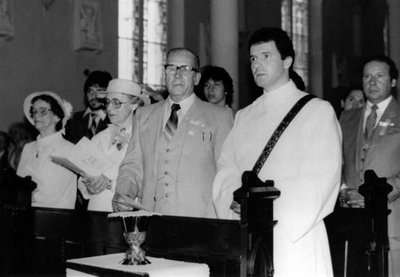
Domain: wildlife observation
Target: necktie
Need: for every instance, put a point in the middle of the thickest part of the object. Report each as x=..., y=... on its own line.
x=93, y=126
x=371, y=121
x=172, y=123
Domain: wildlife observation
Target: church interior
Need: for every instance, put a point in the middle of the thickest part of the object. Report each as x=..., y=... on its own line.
x=42, y=49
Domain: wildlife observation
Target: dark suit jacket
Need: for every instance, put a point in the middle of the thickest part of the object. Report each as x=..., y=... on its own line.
x=77, y=127
x=4, y=160
x=381, y=154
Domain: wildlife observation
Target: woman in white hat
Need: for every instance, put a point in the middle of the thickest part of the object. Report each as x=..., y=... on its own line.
x=122, y=98
x=56, y=185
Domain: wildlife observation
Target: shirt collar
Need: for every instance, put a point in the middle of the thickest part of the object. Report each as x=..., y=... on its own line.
x=381, y=105
x=49, y=139
x=100, y=113
x=185, y=104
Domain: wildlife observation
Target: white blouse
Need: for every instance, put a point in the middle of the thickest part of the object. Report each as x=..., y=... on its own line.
x=56, y=185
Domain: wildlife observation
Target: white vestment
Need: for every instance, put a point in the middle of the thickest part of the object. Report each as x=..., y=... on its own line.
x=305, y=166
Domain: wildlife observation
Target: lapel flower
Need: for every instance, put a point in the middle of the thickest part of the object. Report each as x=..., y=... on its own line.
x=120, y=139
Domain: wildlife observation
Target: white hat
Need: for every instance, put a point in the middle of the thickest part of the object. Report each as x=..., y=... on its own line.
x=65, y=105
x=127, y=87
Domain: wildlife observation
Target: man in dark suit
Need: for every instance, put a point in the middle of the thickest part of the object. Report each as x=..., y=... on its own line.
x=90, y=121
x=93, y=119
x=371, y=140
x=170, y=162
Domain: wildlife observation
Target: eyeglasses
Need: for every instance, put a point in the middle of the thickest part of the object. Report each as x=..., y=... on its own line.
x=183, y=69
x=116, y=103
x=40, y=112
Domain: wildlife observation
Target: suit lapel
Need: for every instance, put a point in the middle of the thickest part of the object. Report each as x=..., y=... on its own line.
x=156, y=120
x=360, y=138
x=193, y=114
x=390, y=113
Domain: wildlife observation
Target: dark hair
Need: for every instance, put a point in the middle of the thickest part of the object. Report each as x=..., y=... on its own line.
x=280, y=37
x=217, y=73
x=100, y=78
x=5, y=140
x=178, y=49
x=20, y=131
x=347, y=91
x=297, y=80
x=54, y=106
x=393, y=71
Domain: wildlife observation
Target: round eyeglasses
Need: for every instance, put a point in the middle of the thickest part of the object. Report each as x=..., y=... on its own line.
x=39, y=112
x=183, y=69
x=116, y=103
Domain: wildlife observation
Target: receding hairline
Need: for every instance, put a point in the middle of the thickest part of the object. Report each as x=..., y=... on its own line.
x=195, y=58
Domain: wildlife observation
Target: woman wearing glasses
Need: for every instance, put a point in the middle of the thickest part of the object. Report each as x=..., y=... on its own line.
x=56, y=185
x=122, y=98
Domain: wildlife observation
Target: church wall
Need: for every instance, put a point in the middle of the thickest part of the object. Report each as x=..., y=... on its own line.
x=40, y=56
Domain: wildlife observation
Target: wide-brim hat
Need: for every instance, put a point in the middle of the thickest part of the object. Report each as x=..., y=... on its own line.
x=65, y=105
x=127, y=87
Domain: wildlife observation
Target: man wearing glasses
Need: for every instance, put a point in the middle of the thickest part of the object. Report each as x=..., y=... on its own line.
x=90, y=121
x=94, y=118
x=171, y=159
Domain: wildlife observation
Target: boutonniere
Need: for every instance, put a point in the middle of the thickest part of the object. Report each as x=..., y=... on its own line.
x=121, y=139
x=385, y=126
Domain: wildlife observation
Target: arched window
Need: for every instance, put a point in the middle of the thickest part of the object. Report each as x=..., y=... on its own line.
x=295, y=23
x=142, y=39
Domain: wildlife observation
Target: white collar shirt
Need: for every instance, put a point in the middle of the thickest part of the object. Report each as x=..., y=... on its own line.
x=379, y=112
x=185, y=105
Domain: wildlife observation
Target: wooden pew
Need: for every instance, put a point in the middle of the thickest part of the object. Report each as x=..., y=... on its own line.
x=230, y=248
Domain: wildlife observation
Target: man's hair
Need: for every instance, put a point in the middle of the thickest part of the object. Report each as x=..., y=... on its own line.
x=282, y=41
x=100, y=78
x=393, y=71
x=196, y=58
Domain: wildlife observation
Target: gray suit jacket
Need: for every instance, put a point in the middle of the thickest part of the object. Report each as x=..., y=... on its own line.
x=381, y=154
x=202, y=132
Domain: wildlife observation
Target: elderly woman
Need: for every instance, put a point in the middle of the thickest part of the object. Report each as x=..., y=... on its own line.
x=56, y=185
x=122, y=99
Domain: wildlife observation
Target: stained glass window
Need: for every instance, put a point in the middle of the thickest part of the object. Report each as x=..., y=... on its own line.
x=142, y=39
x=295, y=23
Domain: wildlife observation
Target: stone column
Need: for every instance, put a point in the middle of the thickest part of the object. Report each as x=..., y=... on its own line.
x=315, y=48
x=176, y=23
x=394, y=31
x=225, y=40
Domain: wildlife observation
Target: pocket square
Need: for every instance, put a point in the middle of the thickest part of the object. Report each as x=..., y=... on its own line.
x=385, y=127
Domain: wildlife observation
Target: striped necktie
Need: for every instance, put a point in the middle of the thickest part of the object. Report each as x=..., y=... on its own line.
x=93, y=126
x=371, y=121
x=172, y=123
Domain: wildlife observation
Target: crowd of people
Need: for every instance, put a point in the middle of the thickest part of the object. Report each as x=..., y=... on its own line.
x=185, y=155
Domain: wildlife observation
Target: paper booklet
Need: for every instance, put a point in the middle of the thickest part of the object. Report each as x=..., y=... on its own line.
x=84, y=158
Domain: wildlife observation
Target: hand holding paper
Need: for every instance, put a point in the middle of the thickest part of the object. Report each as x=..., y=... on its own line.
x=84, y=159
x=96, y=184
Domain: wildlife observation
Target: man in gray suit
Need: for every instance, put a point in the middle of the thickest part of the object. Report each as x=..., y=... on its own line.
x=170, y=163
x=371, y=140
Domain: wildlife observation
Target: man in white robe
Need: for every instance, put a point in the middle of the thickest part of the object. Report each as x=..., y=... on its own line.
x=305, y=164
